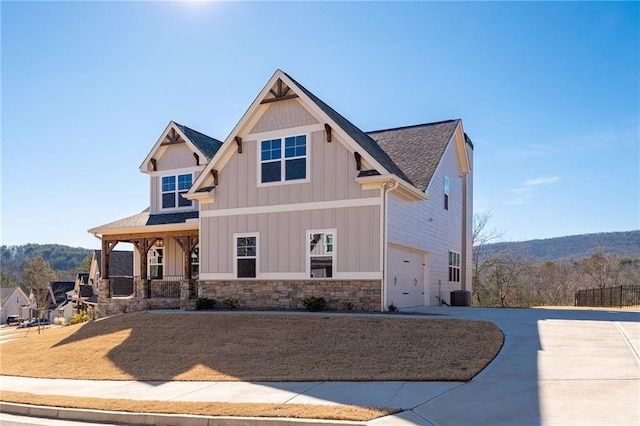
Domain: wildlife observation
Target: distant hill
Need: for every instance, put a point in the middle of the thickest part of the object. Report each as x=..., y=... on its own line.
x=60, y=257
x=620, y=244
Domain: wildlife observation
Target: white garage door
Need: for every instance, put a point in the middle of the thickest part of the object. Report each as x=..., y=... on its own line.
x=406, y=277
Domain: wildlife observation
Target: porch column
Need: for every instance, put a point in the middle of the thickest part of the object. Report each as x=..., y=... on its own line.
x=107, y=248
x=187, y=244
x=142, y=246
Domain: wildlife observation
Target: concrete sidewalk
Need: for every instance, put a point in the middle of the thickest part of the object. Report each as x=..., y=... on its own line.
x=557, y=367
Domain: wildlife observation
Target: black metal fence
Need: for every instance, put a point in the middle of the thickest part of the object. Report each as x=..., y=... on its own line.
x=610, y=297
x=121, y=286
x=166, y=288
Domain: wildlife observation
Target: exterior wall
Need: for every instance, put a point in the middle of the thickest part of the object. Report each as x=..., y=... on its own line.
x=174, y=159
x=332, y=177
x=177, y=156
x=428, y=227
x=282, y=115
x=340, y=295
x=13, y=305
x=282, y=213
x=173, y=259
x=283, y=240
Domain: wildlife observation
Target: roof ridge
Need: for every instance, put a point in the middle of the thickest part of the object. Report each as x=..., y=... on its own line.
x=414, y=126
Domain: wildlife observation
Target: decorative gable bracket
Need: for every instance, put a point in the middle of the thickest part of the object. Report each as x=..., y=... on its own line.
x=214, y=174
x=238, y=140
x=281, y=93
x=327, y=130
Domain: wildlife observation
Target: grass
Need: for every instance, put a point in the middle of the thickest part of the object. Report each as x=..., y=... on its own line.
x=209, y=346
x=256, y=347
x=300, y=411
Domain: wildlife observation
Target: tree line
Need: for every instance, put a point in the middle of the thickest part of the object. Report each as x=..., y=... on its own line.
x=509, y=278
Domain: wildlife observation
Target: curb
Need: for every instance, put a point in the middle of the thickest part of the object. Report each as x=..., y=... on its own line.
x=99, y=416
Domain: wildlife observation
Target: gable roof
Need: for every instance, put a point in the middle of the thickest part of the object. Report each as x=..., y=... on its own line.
x=206, y=144
x=198, y=142
x=120, y=262
x=60, y=289
x=361, y=138
x=417, y=150
x=7, y=292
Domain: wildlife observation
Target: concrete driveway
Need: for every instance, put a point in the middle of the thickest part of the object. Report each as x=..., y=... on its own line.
x=557, y=367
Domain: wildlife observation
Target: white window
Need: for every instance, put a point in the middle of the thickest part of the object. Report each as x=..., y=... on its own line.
x=446, y=193
x=173, y=187
x=195, y=262
x=321, y=253
x=454, y=267
x=280, y=163
x=155, y=261
x=245, y=249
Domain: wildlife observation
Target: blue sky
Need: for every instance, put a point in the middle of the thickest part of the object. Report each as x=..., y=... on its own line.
x=548, y=92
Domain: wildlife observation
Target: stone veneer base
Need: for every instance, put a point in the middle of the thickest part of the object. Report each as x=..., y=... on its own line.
x=356, y=295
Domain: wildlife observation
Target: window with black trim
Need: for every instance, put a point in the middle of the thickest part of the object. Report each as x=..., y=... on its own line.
x=321, y=253
x=246, y=256
x=279, y=166
x=156, y=261
x=446, y=193
x=195, y=262
x=454, y=267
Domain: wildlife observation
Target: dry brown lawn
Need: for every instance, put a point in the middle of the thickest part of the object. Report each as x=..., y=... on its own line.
x=210, y=346
x=301, y=411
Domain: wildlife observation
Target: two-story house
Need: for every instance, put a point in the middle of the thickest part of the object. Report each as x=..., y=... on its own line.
x=298, y=202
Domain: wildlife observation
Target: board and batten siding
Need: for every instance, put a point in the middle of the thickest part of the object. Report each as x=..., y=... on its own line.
x=176, y=158
x=173, y=259
x=331, y=179
x=283, y=239
x=428, y=227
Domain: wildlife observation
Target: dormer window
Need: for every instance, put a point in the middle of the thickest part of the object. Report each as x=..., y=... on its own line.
x=173, y=187
x=286, y=163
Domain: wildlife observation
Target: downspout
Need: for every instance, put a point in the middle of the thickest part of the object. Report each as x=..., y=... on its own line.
x=386, y=186
x=464, y=250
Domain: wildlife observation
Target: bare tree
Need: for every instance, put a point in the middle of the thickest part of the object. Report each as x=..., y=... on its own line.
x=481, y=262
x=36, y=275
x=602, y=269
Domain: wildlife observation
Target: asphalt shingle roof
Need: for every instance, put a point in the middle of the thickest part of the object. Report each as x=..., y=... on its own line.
x=60, y=289
x=365, y=141
x=206, y=144
x=145, y=219
x=417, y=150
x=163, y=219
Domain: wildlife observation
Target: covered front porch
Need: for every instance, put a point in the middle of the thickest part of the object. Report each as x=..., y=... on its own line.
x=166, y=268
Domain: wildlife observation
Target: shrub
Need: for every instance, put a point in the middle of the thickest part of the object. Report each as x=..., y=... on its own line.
x=60, y=321
x=393, y=308
x=230, y=303
x=315, y=304
x=205, y=303
x=81, y=316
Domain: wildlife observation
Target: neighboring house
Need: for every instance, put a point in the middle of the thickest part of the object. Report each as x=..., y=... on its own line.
x=299, y=202
x=87, y=285
x=13, y=301
x=61, y=296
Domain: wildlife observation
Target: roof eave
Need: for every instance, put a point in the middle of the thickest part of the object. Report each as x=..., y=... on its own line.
x=403, y=188
x=149, y=229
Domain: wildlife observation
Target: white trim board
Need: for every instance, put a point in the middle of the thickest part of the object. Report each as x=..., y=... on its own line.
x=317, y=205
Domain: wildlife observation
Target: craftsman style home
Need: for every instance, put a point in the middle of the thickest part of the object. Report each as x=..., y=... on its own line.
x=298, y=202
